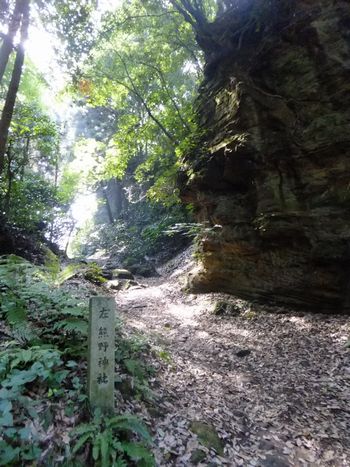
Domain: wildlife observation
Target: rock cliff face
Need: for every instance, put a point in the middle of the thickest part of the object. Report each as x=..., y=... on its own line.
x=273, y=169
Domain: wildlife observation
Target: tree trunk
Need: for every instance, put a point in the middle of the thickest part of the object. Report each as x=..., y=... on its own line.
x=7, y=112
x=108, y=206
x=10, y=177
x=7, y=45
x=193, y=13
x=72, y=227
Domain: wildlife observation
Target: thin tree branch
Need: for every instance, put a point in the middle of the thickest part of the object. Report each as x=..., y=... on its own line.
x=171, y=97
x=144, y=103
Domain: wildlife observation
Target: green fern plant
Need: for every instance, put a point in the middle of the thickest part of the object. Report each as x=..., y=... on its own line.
x=14, y=271
x=36, y=306
x=14, y=308
x=52, y=272
x=109, y=441
x=21, y=370
x=129, y=355
x=47, y=324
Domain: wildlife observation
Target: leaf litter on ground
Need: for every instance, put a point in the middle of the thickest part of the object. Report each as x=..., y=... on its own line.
x=272, y=383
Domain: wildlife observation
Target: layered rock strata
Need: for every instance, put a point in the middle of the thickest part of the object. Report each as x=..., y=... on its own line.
x=272, y=170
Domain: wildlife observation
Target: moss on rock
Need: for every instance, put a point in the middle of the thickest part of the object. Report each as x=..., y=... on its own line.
x=208, y=436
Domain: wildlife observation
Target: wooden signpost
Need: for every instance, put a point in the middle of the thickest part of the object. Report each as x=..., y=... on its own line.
x=101, y=353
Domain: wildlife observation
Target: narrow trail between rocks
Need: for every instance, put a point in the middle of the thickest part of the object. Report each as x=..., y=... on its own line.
x=264, y=387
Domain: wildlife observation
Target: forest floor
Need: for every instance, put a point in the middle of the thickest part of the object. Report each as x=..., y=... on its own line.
x=263, y=387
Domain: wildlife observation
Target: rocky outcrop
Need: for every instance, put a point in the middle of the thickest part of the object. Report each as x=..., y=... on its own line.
x=273, y=166
x=33, y=247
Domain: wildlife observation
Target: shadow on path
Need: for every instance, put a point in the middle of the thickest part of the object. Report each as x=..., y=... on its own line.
x=284, y=403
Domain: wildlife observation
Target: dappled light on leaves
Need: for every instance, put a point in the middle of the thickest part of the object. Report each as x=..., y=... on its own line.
x=160, y=156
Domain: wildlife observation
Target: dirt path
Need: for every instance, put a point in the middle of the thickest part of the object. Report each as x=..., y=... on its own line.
x=262, y=388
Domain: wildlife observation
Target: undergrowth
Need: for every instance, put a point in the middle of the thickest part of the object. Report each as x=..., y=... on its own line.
x=109, y=441
x=141, y=231
x=44, y=412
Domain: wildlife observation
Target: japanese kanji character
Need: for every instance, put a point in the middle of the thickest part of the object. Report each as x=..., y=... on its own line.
x=102, y=378
x=102, y=332
x=103, y=346
x=104, y=313
x=103, y=361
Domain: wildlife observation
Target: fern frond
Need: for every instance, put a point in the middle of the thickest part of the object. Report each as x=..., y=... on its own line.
x=72, y=324
x=137, y=452
x=120, y=463
x=67, y=273
x=24, y=333
x=129, y=423
x=12, y=269
x=74, y=311
x=81, y=441
x=15, y=311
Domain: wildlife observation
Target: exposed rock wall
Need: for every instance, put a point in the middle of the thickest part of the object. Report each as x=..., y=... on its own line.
x=273, y=168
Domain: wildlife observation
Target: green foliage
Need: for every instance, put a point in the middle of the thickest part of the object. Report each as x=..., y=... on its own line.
x=109, y=441
x=32, y=191
x=164, y=355
x=30, y=121
x=193, y=229
x=32, y=86
x=67, y=187
x=130, y=356
x=72, y=22
x=141, y=231
x=53, y=273
x=150, y=68
x=31, y=295
x=197, y=13
x=19, y=367
x=47, y=327
x=93, y=273
x=19, y=370
x=31, y=201
x=27, y=194
x=146, y=66
x=13, y=271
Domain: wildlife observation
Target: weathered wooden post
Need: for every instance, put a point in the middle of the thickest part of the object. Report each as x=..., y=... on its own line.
x=101, y=353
